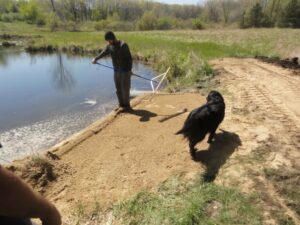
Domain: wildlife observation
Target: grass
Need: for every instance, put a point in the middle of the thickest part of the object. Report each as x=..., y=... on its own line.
x=85, y=215
x=175, y=202
x=186, y=51
x=287, y=184
x=207, y=43
x=178, y=203
x=38, y=171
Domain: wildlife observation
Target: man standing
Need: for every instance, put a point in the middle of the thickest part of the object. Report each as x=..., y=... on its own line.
x=122, y=62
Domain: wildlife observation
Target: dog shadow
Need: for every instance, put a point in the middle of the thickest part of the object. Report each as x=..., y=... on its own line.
x=218, y=152
x=143, y=114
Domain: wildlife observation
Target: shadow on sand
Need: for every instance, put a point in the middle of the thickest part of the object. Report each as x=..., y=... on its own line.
x=143, y=114
x=219, y=151
x=168, y=117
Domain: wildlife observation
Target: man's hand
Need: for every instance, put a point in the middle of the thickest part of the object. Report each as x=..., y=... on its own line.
x=94, y=61
x=18, y=200
x=51, y=215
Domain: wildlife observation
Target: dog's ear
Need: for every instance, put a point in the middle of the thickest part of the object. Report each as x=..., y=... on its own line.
x=221, y=97
x=209, y=96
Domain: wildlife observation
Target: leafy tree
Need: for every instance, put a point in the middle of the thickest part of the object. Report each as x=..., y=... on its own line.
x=255, y=18
x=274, y=9
x=4, y=6
x=30, y=11
x=148, y=14
x=291, y=14
x=53, y=21
x=256, y=15
x=164, y=23
x=101, y=25
x=99, y=14
x=130, y=10
x=12, y=7
x=197, y=23
x=148, y=21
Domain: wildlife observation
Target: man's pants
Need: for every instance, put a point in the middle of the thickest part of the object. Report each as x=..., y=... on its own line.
x=122, y=83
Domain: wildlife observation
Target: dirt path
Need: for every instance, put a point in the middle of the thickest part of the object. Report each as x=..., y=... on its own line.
x=133, y=152
x=127, y=153
x=263, y=108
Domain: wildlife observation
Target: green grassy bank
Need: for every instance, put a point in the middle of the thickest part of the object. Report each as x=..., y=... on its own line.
x=185, y=51
x=178, y=201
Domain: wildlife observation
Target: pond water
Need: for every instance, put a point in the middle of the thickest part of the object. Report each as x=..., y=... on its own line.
x=46, y=98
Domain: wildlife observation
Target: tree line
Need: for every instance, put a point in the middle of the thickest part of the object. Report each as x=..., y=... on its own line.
x=254, y=13
x=149, y=15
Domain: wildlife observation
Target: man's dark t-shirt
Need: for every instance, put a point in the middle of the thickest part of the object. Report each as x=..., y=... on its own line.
x=120, y=54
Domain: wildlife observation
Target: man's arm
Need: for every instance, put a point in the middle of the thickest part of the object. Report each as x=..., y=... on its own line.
x=17, y=199
x=102, y=54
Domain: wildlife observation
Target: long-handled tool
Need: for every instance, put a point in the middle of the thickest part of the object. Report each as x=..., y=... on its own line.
x=132, y=73
x=153, y=80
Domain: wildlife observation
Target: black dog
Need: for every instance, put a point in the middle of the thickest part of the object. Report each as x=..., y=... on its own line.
x=203, y=120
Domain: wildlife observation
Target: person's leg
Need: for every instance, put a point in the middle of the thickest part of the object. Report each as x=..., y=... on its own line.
x=126, y=89
x=118, y=85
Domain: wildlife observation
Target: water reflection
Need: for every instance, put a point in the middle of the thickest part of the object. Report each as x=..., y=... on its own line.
x=33, y=59
x=46, y=98
x=3, y=59
x=62, y=78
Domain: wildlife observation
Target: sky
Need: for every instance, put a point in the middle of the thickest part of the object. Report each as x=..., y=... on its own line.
x=179, y=1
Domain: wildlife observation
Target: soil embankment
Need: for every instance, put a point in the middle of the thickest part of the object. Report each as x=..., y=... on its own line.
x=129, y=152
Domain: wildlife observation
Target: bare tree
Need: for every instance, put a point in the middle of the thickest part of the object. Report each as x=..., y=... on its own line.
x=225, y=6
x=212, y=10
x=52, y=4
x=71, y=7
x=275, y=7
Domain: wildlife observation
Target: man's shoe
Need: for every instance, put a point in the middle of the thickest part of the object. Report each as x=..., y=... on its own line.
x=127, y=109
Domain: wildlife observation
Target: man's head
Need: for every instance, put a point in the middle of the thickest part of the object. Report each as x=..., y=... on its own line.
x=110, y=37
